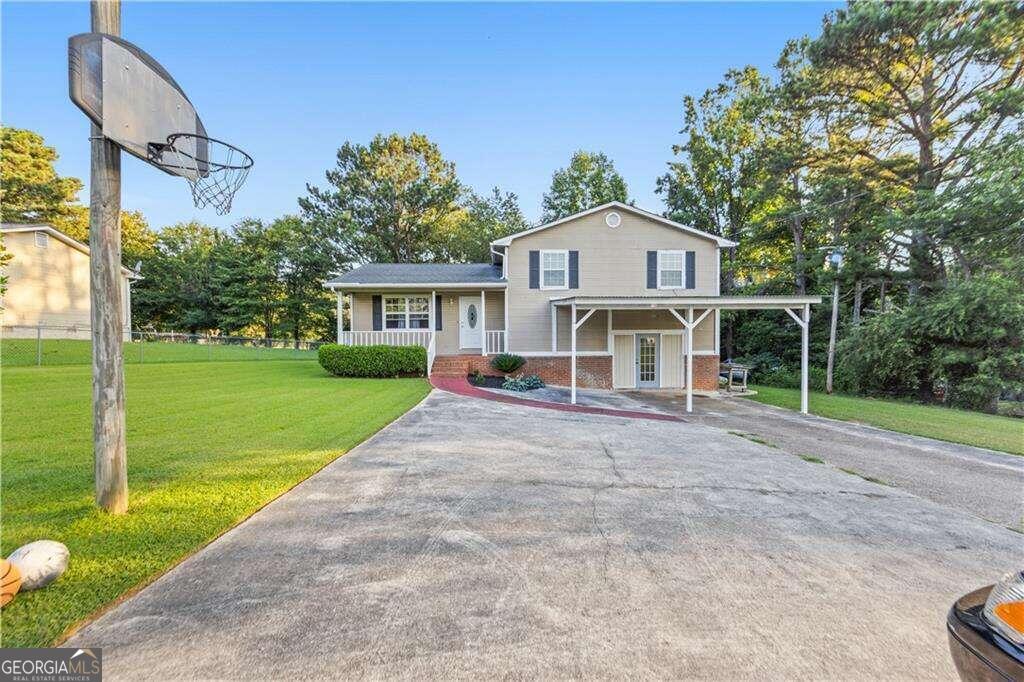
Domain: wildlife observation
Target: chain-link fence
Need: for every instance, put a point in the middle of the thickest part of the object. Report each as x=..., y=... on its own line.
x=44, y=345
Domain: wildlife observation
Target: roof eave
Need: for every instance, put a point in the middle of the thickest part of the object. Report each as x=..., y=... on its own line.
x=721, y=242
x=415, y=285
x=13, y=228
x=654, y=302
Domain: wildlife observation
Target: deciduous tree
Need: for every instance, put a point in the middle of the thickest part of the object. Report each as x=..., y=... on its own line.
x=589, y=180
x=467, y=234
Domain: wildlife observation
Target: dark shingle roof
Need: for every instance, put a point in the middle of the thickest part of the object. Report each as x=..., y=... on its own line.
x=420, y=273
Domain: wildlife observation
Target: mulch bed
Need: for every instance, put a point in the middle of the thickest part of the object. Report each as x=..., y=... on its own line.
x=489, y=381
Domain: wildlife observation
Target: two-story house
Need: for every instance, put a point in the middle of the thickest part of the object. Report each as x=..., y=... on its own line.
x=613, y=297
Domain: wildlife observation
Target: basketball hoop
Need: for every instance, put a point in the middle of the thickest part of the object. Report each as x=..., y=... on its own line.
x=215, y=170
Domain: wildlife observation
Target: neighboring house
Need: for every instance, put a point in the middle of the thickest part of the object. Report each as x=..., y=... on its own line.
x=48, y=284
x=635, y=283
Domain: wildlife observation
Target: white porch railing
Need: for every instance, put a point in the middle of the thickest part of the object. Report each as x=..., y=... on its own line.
x=388, y=337
x=495, y=342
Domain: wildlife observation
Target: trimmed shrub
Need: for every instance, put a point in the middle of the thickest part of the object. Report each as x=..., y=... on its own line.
x=373, y=361
x=523, y=383
x=507, y=362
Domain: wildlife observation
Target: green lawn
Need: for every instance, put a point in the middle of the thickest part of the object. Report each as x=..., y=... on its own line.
x=24, y=352
x=208, y=444
x=942, y=423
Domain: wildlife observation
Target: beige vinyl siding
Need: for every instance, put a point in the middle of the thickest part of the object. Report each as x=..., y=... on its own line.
x=612, y=262
x=49, y=286
x=650, y=320
x=623, y=361
x=447, y=342
x=672, y=361
x=592, y=336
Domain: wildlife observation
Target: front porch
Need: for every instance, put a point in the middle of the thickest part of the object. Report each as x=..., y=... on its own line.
x=448, y=321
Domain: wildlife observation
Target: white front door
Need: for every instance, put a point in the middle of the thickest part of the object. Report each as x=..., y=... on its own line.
x=469, y=322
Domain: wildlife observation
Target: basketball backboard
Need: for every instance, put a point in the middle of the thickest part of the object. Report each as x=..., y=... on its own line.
x=134, y=101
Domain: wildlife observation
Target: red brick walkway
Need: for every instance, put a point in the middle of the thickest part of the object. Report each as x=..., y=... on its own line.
x=460, y=386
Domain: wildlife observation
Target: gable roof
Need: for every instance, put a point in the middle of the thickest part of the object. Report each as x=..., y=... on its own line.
x=12, y=228
x=619, y=206
x=409, y=274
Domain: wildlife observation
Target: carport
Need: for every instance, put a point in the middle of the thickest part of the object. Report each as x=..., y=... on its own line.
x=682, y=308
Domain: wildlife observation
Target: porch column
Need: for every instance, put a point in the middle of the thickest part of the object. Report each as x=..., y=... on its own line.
x=572, y=324
x=804, y=335
x=433, y=314
x=505, y=346
x=689, y=359
x=341, y=320
x=352, y=312
x=483, y=322
x=608, y=344
x=554, y=329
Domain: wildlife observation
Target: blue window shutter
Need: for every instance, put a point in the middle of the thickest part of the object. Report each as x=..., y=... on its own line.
x=691, y=275
x=574, y=269
x=652, y=269
x=378, y=314
x=535, y=269
x=437, y=312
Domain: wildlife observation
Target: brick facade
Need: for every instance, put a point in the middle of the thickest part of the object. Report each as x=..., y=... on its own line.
x=592, y=371
x=705, y=372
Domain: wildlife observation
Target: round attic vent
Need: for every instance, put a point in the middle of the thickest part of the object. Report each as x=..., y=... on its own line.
x=613, y=219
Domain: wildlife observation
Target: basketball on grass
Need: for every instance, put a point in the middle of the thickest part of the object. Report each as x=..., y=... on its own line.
x=10, y=581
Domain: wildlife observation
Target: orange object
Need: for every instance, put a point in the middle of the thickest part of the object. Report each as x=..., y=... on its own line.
x=1011, y=613
x=10, y=581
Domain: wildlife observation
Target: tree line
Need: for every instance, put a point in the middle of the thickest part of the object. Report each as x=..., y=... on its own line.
x=396, y=199
x=894, y=137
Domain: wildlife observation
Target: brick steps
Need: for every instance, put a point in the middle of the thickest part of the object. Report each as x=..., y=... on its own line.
x=450, y=366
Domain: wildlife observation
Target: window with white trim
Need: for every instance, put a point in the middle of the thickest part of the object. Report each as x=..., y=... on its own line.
x=670, y=269
x=554, y=269
x=407, y=312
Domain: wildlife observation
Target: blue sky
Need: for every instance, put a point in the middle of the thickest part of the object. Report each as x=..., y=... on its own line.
x=507, y=91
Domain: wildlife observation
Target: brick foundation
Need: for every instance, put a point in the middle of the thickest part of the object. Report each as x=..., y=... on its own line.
x=705, y=372
x=592, y=371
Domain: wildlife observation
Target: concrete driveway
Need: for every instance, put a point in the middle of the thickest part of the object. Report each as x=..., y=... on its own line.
x=478, y=539
x=983, y=482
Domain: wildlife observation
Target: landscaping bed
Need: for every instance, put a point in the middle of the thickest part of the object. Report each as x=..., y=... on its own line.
x=486, y=380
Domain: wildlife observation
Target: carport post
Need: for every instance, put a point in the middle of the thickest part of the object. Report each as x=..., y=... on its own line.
x=689, y=359
x=804, y=335
x=573, y=371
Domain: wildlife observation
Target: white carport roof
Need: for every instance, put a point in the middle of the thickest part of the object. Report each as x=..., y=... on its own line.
x=721, y=302
x=590, y=304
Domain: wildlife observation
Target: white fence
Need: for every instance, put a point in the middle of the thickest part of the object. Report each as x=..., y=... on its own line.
x=54, y=345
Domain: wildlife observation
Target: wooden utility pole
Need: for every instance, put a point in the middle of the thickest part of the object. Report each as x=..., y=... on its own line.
x=107, y=306
x=832, y=335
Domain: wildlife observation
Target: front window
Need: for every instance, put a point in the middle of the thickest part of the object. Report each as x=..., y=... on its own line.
x=407, y=312
x=554, y=269
x=670, y=269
